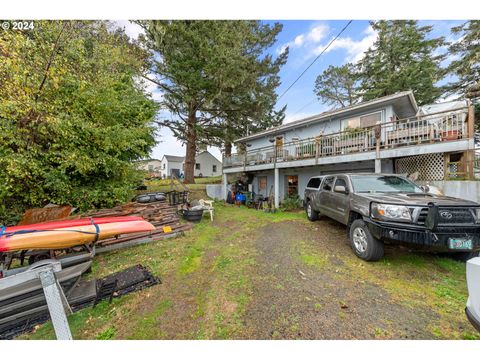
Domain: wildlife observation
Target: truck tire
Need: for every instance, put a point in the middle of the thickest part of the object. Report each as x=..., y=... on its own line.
x=363, y=244
x=312, y=215
x=464, y=256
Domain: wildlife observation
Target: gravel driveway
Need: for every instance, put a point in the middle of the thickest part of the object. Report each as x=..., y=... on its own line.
x=293, y=300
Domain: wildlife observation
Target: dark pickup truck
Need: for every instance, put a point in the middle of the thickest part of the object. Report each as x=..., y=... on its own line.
x=386, y=208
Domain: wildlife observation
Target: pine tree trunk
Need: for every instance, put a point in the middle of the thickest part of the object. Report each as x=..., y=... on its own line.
x=191, y=149
x=228, y=148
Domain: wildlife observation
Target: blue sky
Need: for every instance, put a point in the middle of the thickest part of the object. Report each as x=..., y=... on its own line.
x=305, y=38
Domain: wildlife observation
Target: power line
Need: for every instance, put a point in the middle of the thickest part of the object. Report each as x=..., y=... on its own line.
x=304, y=106
x=308, y=67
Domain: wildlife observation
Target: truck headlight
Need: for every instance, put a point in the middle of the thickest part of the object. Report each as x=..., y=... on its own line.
x=391, y=212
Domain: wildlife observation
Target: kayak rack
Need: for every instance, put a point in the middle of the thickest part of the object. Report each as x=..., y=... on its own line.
x=57, y=303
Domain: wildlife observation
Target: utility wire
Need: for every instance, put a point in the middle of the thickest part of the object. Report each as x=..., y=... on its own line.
x=313, y=62
x=304, y=106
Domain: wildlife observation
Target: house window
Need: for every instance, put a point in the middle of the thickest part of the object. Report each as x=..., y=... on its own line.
x=150, y=167
x=352, y=123
x=371, y=119
x=197, y=166
x=163, y=166
x=362, y=121
x=214, y=168
x=292, y=185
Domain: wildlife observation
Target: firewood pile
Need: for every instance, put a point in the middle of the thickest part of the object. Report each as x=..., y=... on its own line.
x=160, y=214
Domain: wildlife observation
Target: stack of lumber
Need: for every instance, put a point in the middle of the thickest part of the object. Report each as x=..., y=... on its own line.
x=160, y=214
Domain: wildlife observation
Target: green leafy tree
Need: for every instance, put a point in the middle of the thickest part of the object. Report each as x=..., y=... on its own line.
x=213, y=78
x=403, y=57
x=466, y=67
x=338, y=85
x=73, y=117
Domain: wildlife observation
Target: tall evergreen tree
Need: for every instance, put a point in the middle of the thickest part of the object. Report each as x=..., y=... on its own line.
x=403, y=57
x=214, y=79
x=467, y=67
x=338, y=85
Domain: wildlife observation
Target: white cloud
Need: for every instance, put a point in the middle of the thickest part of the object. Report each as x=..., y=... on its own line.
x=317, y=33
x=310, y=38
x=355, y=49
x=131, y=29
x=299, y=40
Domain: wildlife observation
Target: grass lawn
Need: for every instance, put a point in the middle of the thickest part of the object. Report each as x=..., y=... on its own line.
x=257, y=275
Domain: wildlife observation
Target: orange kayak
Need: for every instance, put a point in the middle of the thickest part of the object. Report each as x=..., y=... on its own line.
x=66, y=237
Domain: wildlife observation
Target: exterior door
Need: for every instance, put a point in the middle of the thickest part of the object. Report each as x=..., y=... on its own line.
x=279, y=146
x=339, y=201
x=262, y=185
x=292, y=185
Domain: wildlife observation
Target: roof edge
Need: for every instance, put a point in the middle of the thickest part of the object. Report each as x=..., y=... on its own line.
x=326, y=115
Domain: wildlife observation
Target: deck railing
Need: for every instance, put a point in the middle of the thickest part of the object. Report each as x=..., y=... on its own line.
x=459, y=170
x=431, y=128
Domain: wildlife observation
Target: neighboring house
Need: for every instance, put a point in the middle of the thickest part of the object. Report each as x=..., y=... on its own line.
x=171, y=164
x=152, y=166
x=389, y=134
x=207, y=165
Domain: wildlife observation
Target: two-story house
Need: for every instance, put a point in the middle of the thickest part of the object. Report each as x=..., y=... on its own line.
x=389, y=134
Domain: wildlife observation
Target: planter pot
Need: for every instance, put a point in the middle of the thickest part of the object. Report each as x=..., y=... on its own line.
x=450, y=135
x=192, y=215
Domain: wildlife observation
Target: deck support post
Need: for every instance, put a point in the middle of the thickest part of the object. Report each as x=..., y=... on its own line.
x=378, y=166
x=224, y=187
x=471, y=122
x=276, y=191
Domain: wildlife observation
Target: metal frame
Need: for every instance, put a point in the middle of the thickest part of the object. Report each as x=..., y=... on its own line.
x=56, y=301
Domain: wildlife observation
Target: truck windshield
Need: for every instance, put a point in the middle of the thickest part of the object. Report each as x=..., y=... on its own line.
x=383, y=184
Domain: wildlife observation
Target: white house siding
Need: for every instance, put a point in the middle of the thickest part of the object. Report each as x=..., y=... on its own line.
x=206, y=161
x=164, y=167
x=169, y=163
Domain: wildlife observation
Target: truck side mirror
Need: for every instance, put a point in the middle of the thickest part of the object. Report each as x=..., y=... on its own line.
x=340, y=189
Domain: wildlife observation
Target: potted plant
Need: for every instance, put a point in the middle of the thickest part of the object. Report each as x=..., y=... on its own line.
x=450, y=130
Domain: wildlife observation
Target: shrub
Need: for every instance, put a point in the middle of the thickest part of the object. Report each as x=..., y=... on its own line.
x=292, y=203
x=73, y=117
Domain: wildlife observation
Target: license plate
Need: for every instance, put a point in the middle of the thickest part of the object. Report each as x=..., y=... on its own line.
x=460, y=244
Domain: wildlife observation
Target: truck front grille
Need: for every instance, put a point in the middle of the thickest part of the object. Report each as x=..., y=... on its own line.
x=447, y=216
x=422, y=215
x=455, y=215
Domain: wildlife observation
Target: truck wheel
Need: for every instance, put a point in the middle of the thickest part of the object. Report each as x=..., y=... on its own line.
x=464, y=256
x=312, y=215
x=363, y=244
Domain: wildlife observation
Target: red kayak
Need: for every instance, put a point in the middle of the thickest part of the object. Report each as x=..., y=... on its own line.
x=69, y=233
x=69, y=223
